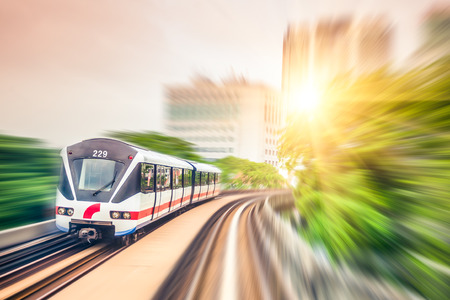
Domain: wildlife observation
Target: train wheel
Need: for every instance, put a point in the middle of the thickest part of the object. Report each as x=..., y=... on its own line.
x=135, y=237
x=125, y=240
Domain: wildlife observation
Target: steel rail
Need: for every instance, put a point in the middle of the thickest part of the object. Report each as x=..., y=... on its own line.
x=258, y=259
x=25, y=255
x=69, y=281
x=18, y=248
x=193, y=287
x=229, y=284
x=48, y=276
x=23, y=271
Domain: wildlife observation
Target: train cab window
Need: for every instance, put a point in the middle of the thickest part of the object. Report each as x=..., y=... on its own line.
x=64, y=186
x=177, y=178
x=95, y=174
x=163, y=178
x=204, y=178
x=147, y=178
x=187, y=178
x=197, y=178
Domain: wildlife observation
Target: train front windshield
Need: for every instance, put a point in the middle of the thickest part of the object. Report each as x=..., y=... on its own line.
x=97, y=174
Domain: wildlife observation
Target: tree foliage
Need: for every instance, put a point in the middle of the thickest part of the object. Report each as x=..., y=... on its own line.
x=374, y=187
x=241, y=173
x=28, y=177
x=159, y=142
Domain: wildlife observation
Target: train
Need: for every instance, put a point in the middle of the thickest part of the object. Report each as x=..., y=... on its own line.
x=109, y=189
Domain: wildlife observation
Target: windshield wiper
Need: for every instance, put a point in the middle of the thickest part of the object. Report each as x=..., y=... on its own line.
x=105, y=186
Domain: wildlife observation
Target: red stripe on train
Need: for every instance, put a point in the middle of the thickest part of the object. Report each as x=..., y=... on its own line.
x=91, y=210
x=176, y=202
x=136, y=215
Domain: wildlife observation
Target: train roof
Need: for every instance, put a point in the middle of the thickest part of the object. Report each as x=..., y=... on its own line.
x=163, y=159
x=205, y=167
x=159, y=158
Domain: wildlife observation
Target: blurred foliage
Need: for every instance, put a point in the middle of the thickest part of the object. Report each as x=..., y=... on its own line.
x=241, y=173
x=160, y=143
x=28, y=178
x=373, y=186
x=29, y=173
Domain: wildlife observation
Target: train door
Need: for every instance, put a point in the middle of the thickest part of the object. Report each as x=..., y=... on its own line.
x=177, y=188
x=197, y=185
x=148, y=191
x=217, y=186
x=187, y=187
x=211, y=185
x=204, y=185
x=163, y=190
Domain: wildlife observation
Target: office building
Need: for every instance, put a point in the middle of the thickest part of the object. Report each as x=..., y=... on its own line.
x=234, y=118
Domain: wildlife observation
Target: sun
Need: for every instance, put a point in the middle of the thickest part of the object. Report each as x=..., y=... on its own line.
x=307, y=98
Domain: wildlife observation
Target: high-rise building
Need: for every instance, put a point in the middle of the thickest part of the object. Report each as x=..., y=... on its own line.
x=317, y=53
x=233, y=118
x=435, y=31
x=372, y=42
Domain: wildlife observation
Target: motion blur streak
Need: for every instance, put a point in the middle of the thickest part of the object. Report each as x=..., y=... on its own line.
x=372, y=170
x=27, y=181
x=296, y=271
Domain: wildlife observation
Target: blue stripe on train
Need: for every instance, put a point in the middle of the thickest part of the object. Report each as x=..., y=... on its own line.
x=62, y=228
x=125, y=232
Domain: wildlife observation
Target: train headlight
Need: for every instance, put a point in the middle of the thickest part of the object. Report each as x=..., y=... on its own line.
x=61, y=211
x=115, y=214
x=126, y=215
x=69, y=212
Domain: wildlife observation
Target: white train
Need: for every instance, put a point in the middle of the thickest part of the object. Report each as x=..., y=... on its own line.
x=109, y=188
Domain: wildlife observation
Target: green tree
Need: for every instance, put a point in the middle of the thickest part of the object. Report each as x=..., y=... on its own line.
x=28, y=177
x=373, y=187
x=241, y=173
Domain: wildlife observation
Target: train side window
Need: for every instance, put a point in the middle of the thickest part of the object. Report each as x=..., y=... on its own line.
x=162, y=178
x=204, y=178
x=159, y=172
x=187, y=178
x=147, y=178
x=197, y=178
x=217, y=178
x=177, y=177
x=211, y=178
x=167, y=178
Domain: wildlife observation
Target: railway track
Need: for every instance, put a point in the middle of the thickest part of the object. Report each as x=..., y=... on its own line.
x=40, y=268
x=218, y=263
x=245, y=251
x=29, y=269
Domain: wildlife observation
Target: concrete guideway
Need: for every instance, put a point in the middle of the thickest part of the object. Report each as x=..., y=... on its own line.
x=232, y=247
x=249, y=252
x=138, y=271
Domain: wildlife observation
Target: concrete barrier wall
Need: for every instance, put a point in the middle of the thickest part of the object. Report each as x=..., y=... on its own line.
x=14, y=236
x=306, y=273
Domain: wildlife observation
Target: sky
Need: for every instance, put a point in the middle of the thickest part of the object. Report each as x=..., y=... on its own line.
x=76, y=69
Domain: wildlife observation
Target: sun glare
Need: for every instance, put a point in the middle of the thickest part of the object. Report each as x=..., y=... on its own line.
x=307, y=98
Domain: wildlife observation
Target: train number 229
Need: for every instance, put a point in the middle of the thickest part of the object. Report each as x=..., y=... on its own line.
x=100, y=153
